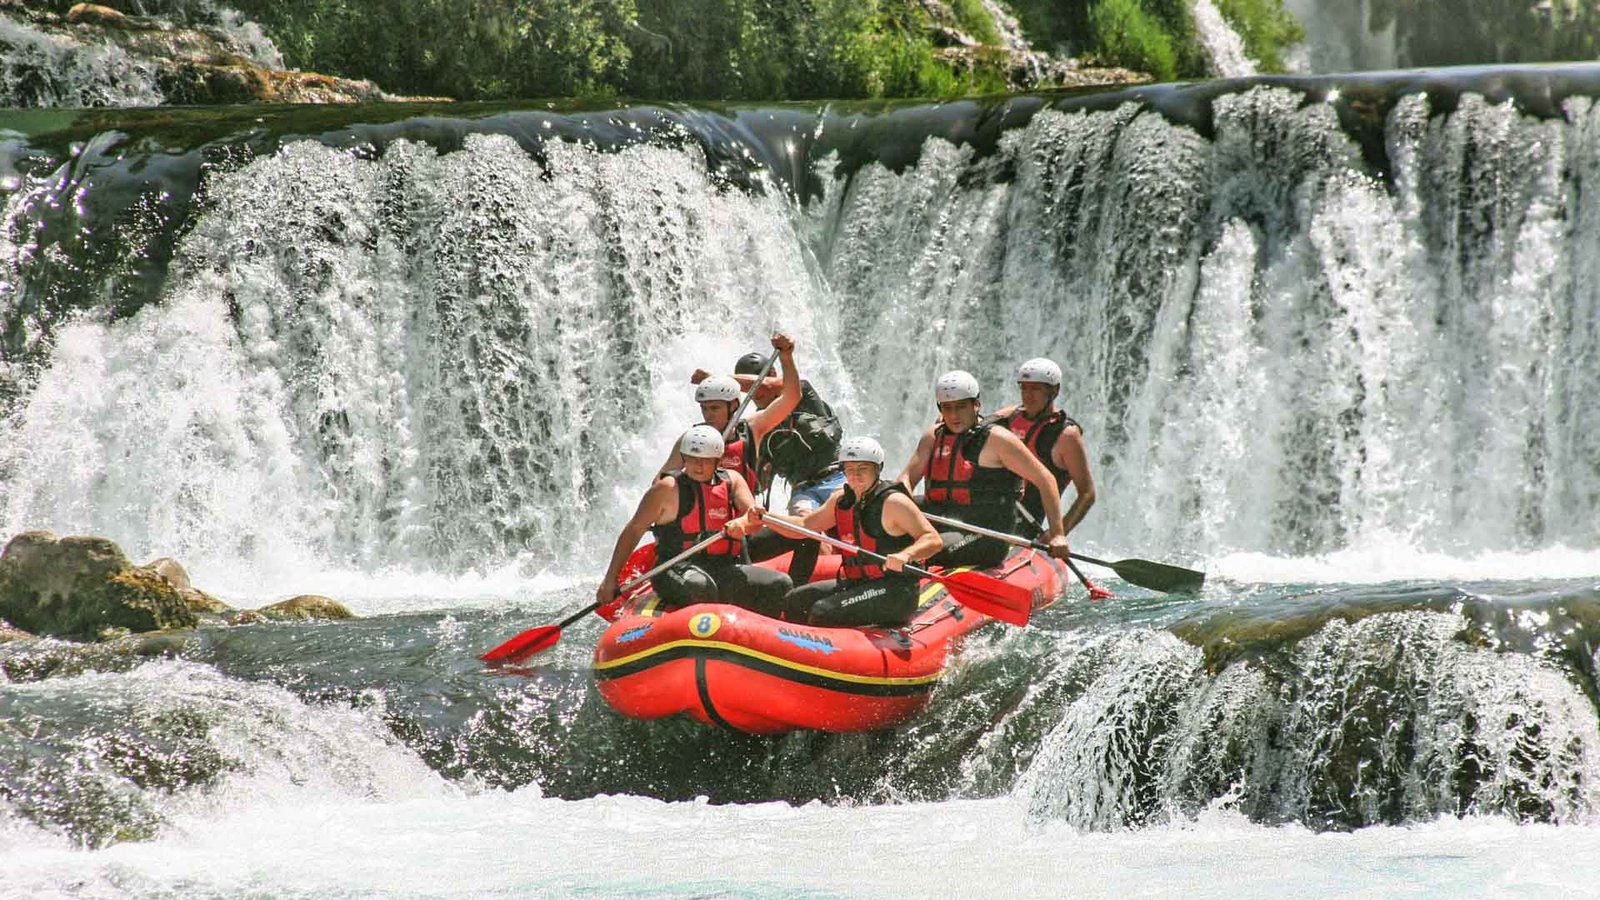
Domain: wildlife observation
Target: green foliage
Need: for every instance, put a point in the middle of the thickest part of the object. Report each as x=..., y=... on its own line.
x=976, y=21
x=650, y=49
x=1266, y=28
x=456, y=48
x=1126, y=35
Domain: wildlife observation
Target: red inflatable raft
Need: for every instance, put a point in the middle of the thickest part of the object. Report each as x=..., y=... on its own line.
x=729, y=666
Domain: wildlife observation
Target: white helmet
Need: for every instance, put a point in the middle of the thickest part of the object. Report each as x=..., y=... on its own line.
x=717, y=387
x=861, y=449
x=1040, y=371
x=701, y=441
x=957, y=385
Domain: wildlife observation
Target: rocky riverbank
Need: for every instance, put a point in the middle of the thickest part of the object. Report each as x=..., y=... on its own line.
x=86, y=589
x=98, y=55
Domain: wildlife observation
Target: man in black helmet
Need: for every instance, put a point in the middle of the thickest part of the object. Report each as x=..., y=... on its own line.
x=802, y=448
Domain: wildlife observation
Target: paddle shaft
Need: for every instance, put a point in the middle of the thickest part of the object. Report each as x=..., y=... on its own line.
x=733, y=420
x=660, y=567
x=785, y=525
x=990, y=532
x=1096, y=592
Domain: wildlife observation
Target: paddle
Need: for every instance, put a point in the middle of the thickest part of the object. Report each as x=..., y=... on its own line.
x=1142, y=572
x=544, y=637
x=1096, y=592
x=982, y=593
x=733, y=420
x=641, y=559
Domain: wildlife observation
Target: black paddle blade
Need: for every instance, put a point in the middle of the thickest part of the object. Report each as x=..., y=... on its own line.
x=989, y=595
x=525, y=644
x=1159, y=576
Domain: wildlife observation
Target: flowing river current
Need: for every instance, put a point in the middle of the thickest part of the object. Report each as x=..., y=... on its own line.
x=1335, y=340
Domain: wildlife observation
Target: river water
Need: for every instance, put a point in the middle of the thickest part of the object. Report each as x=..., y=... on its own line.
x=1331, y=339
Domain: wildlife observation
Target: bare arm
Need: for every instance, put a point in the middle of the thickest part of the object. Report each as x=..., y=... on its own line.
x=1016, y=456
x=820, y=519
x=918, y=463
x=902, y=516
x=744, y=502
x=651, y=508
x=1069, y=454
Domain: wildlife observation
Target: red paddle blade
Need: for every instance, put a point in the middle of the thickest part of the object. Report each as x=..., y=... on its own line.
x=525, y=644
x=990, y=596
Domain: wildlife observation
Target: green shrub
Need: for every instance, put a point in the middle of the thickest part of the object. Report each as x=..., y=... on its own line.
x=1266, y=28
x=1125, y=35
x=976, y=21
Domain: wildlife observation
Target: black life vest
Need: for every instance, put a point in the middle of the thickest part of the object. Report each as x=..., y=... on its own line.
x=861, y=523
x=1040, y=435
x=703, y=509
x=960, y=488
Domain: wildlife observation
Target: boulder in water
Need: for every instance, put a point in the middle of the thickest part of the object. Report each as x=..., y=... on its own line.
x=197, y=600
x=306, y=607
x=84, y=588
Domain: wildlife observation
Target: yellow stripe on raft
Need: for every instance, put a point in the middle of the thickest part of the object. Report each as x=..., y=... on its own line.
x=778, y=661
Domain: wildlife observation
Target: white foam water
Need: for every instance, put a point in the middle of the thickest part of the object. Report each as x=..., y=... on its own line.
x=522, y=844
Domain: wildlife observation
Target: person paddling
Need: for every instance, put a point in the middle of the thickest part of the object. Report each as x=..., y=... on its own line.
x=975, y=474
x=682, y=508
x=878, y=516
x=1053, y=436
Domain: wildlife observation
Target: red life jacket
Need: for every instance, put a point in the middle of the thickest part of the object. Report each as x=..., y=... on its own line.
x=703, y=509
x=1040, y=435
x=956, y=480
x=861, y=523
x=739, y=454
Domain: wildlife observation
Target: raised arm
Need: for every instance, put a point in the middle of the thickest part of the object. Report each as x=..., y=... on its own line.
x=763, y=421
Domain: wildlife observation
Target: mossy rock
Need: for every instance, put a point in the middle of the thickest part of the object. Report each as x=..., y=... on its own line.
x=82, y=588
x=306, y=607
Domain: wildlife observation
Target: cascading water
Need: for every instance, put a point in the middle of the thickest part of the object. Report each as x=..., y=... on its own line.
x=1351, y=349
x=38, y=68
x=424, y=358
x=1270, y=349
x=1224, y=48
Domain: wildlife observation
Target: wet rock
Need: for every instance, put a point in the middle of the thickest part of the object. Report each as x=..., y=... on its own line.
x=95, y=14
x=306, y=607
x=197, y=600
x=84, y=588
x=191, y=64
x=1026, y=70
x=172, y=570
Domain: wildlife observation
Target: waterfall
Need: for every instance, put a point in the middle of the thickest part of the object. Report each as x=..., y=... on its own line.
x=439, y=359
x=1280, y=339
x=1225, y=51
x=1269, y=348
x=39, y=68
x=1389, y=719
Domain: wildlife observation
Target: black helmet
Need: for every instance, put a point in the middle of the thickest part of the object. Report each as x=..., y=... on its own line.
x=749, y=364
